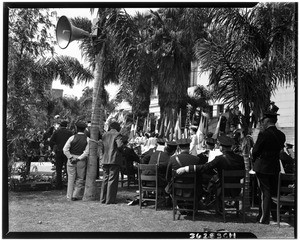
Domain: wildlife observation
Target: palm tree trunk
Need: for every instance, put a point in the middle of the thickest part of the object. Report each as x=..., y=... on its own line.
x=90, y=190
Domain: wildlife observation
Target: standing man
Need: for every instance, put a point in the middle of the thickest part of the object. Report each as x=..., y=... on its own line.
x=76, y=149
x=59, y=138
x=111, y=163
x=265, y=154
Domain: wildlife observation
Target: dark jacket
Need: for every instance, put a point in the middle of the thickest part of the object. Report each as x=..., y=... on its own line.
x=162, y=162
x=129, y=157
x=60, y=137
x=112, y=147
x=228, y=161
x=267, y=149
x=185, y=159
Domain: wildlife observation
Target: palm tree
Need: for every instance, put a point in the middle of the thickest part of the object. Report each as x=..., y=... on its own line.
x=249, y=57
x=30, y=72
x=136, y=61
x=172, y=43
x=101, y=55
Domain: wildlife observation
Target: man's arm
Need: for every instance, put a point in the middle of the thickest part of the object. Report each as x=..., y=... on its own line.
x=257, y=148
x=67, y=146
x=199, y=168
x=86, y=150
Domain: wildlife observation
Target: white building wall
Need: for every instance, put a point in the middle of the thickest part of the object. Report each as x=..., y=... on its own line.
x=284, y=98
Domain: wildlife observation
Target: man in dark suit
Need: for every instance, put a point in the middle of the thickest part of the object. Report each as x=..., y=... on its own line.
x=162, y=158
x=228, y=161
x=266, y=152
x=59, y=138
x=182, y=159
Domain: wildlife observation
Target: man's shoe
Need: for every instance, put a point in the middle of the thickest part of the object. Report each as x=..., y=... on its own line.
x=74, y=199
x=264, y=222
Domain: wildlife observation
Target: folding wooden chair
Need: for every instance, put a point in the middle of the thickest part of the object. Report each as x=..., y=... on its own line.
x=229, y=184
x=285, y=195
x=184, y=193
x=148, y=185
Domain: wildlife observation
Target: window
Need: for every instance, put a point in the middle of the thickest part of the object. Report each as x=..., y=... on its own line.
x=210, y=110
x=194, y=73
x=220, y=109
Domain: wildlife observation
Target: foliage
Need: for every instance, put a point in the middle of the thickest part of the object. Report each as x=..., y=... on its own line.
x=30, y=105
x=248, y=57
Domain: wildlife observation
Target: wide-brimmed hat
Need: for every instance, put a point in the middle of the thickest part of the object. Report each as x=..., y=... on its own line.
x=226, y=141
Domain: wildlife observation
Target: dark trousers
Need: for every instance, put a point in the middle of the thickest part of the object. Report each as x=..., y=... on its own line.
x=268, y=185
x=60, y=163
x=110, y=183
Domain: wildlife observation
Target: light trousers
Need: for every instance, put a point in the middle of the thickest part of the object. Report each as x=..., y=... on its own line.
x=76, y=178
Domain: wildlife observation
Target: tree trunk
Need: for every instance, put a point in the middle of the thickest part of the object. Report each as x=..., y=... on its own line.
x=90, y=190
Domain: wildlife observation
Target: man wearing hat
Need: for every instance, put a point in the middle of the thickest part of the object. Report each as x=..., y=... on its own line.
x=266, y=150
x=111, y=162
x=161, y=158
x=77, y=150
x=59, y=139
x=184, y=158
x=227, y=161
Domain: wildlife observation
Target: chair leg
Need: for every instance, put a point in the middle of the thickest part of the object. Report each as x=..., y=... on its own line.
x=174, y=210
x=156, y=200
x=278, y=214
x=244, y=211
x=223, y=210
x=237, y=203
x=141, y=197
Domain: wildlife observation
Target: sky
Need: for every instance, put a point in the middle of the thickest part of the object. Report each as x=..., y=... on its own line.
x=74, y=51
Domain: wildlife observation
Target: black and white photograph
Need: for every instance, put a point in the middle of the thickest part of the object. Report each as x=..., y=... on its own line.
x=149, y=120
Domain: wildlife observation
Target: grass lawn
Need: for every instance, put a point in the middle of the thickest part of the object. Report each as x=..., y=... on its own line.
x=49, y=211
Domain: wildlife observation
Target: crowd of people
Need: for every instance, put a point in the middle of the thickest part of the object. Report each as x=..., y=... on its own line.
x=268, y=155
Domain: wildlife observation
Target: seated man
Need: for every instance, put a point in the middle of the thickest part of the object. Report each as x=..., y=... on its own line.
x=228, y=161
x=287, y=160
x=161, y=157
x=183, y=159
x=130, y=159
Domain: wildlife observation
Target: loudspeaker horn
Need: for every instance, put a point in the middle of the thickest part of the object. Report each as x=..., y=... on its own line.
x=66, y=32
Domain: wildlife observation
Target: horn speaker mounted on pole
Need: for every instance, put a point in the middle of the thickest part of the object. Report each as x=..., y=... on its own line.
x=66, y=32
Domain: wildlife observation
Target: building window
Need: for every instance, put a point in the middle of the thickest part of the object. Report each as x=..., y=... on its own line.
x=194, y=73
x=220, y=109
x=154, y=92
x=210, y=110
